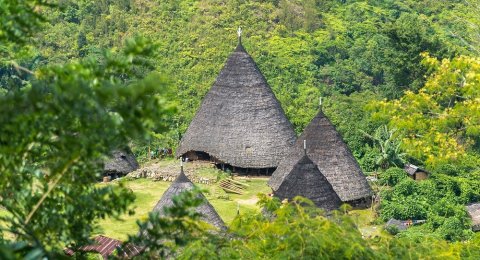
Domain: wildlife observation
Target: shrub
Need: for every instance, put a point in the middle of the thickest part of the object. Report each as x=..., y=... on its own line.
x=392, y=176
x=369, y=159
x=392, y=230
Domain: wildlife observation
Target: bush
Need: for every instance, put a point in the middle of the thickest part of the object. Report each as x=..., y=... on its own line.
x=448, y=169
x=369, y=159
x=392, y=176
x=404, y=208
x=392, y=230
x=406, y=187
x=453, y=229
x=464, y=166
x=439, y=200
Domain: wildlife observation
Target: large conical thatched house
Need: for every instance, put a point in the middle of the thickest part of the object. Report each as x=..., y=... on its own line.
x=326, y=148
x=240, y=122
x=306, y=180
x=181, y=184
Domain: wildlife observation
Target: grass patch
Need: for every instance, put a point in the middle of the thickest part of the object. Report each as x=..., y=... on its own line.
x=246, y=203
x=364, y=219
x=148, y=192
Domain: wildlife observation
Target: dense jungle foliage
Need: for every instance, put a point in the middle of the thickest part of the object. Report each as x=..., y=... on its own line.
x=399, y=79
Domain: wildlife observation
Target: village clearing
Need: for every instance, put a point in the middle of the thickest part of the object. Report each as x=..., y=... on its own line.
x=148, y=191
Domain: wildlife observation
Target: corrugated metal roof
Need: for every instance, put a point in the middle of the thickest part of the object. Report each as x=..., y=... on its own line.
x=412, y=169
x=105, y=246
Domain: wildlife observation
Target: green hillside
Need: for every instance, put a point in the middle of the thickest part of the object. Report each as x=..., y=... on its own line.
x=306, y=49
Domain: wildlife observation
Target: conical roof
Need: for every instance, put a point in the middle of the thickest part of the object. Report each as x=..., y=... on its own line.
x=326, y=148
x=181, y=184
x=307, y=181
x=240, y=122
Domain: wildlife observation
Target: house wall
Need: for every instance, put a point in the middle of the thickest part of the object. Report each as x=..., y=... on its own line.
x=421, y=176
x=360, y=203
x=196, y=155
x=191, y=155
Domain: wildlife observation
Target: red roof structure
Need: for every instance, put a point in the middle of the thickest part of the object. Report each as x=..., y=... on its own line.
x=105, y=246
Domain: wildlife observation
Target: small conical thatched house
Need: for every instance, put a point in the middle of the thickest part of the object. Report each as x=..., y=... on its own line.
x=307, y=181
x=326, y=148
x=240, y=122
x=181, y=184
x=120, y=163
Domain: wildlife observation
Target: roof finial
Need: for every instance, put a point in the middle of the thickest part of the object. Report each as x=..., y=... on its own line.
x=239, y=33
x=305, y=146
x=320, y=103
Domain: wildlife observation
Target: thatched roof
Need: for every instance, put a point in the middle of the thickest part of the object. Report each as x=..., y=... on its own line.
x=240, y=122
x=326, y=148
x=474, y=212
x=307, y=181
x=181, y=184
x=121, y=162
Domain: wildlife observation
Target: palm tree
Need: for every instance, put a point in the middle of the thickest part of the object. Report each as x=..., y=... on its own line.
x=389, y=145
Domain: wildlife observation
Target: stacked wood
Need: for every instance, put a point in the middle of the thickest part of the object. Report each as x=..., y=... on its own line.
x=229, y=185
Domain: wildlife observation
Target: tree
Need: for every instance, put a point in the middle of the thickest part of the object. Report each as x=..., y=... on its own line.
x=389, y=146
x=168, y=234
x=20, y=19
x=297, y=230
x=294, y=229
x=54, y=135
x=441, y=123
